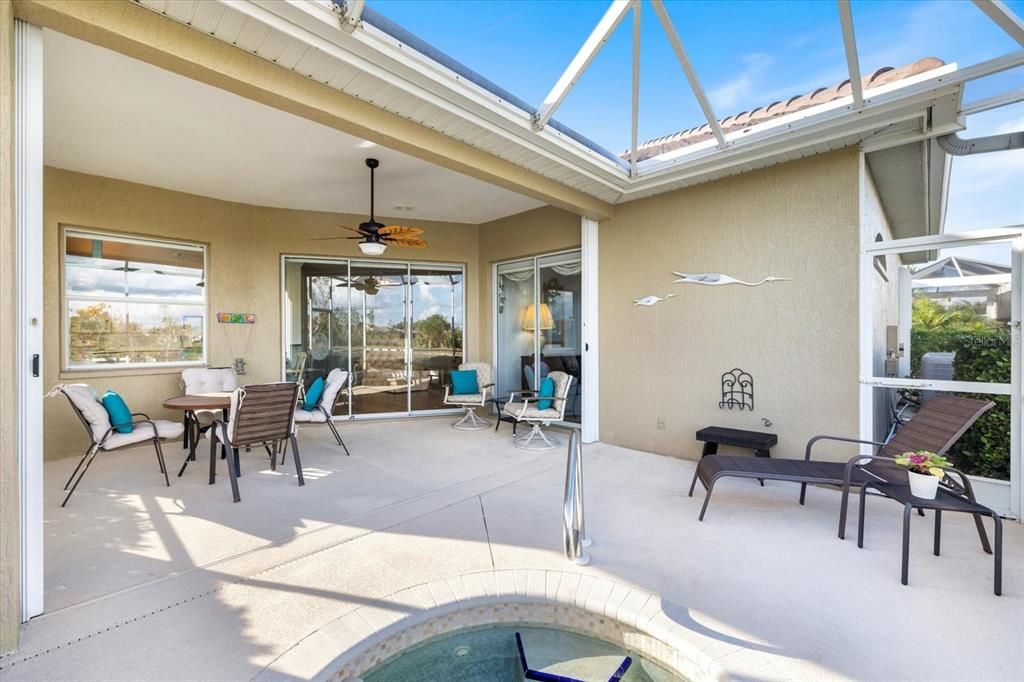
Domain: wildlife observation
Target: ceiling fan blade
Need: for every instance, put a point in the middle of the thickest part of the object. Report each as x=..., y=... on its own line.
x=350, y=229
x=394, y=230
x=327, y=239
x=411, y=242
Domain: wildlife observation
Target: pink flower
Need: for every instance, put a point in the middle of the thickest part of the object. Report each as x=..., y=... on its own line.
x=918, y=459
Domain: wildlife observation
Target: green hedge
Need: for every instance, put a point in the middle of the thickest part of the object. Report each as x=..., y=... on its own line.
x=981, y=355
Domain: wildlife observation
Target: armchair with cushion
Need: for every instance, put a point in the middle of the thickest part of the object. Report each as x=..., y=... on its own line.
x=539, y=411
x=471, y=401
x=106, y=437
x=322, y=410
x=197, y=380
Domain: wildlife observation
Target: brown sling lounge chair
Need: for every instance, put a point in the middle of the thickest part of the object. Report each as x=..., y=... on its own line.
x=936, y=427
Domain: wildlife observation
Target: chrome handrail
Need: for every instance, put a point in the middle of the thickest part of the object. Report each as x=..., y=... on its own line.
x=574, y=533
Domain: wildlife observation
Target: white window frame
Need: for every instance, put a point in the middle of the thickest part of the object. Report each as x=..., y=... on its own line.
x=1013, y=235
x=65, y=298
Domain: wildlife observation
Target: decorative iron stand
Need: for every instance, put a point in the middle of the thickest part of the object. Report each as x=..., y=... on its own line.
x=737, y=390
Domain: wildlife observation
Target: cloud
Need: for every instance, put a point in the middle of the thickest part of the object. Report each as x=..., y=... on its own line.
x=728, y=95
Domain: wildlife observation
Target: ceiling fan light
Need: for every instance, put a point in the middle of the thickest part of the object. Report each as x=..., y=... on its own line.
x=372, y=248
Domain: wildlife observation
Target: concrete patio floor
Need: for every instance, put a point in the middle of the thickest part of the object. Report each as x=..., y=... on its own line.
x=148, y=582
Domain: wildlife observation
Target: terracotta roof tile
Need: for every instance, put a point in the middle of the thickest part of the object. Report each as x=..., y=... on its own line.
x=744, y=119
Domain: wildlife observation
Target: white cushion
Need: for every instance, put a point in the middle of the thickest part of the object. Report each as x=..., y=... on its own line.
x=88, y=403
x=531, y=412
x=144, y=432
x=335, y=381
x=482, y=369
x=207, y=417
x=208, y=380
x=310, y=417
x=465, y=399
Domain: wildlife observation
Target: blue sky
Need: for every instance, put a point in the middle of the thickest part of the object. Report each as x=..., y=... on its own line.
x=747, y=54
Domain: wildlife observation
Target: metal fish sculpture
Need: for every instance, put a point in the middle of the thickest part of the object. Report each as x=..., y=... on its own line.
x=650, y=300
x=718, y=279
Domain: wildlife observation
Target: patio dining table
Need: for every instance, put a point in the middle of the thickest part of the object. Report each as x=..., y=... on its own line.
x=189, y=404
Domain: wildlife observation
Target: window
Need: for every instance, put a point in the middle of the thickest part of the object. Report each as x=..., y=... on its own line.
x=132, y=302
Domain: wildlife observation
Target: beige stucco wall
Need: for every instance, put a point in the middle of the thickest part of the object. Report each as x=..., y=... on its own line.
x=9, y=543
x=245, y=244
x=541, y=230
x=798, y=339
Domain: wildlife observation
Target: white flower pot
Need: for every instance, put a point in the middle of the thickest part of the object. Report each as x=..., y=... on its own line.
x=924, y=486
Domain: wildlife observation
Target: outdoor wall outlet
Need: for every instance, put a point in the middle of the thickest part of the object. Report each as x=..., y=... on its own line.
x=661, y=423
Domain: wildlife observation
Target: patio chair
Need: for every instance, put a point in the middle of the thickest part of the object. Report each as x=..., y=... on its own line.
x=262, y=415
x=523, y=406
x=936, y=427
x=197, y=380
x=105, y=437
x=298, y=368
x=322, y=412
x=471, y=401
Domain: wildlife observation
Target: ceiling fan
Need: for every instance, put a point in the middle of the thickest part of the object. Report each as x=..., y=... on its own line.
x=374, y=237
x=371, y=285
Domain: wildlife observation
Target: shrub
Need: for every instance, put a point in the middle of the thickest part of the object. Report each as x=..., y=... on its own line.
x=981, y=355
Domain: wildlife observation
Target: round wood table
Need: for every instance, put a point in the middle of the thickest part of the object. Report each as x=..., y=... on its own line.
x=189, y=404
x=199, y=401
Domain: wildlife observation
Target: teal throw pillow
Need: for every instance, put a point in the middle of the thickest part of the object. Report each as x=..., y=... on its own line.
x=547, y=390
x=120, y=415
x=313, y=393
x=464, y=382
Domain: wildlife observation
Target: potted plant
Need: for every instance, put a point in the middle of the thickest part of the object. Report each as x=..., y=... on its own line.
x=925, y=470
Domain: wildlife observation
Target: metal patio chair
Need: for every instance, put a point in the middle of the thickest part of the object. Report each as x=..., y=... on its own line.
x=104, y=436
x=471, y=401
x=523, y=406
x=197, y=380
x=322, y=412
x=261, y=415
x=935, y=427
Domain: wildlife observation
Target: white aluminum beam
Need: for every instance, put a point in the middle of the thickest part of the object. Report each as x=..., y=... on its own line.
x=850, y=44
x=691, y=75
x=353, y=14
x=636, y=90
x=593, y=44
x=994, y=102
x=1004, y=18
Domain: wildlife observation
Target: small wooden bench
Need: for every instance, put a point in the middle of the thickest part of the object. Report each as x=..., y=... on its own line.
x=713, y=436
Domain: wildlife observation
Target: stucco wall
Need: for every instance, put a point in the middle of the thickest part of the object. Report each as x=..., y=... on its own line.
x=9, y=511
x=541, y=230
x=244, y=248
x=798, y=339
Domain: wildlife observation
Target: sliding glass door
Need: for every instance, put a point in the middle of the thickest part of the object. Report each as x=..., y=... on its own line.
x=538, y=324
x=397, y=327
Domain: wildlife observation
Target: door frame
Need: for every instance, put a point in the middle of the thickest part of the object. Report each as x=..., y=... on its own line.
x=534, y=260
x=1012, y=235
x=347, y=261
x=28, y=181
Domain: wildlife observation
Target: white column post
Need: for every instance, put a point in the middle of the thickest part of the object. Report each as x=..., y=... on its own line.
x=865, y=303
x=28, y=187
x=591, y=371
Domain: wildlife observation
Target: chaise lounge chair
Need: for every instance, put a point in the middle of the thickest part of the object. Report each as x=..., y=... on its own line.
x=936, y=427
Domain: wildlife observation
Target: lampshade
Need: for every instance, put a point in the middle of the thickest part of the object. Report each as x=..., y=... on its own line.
x=530, y=318
x=372, y=248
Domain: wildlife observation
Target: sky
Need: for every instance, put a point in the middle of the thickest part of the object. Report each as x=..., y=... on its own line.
x=747, y=54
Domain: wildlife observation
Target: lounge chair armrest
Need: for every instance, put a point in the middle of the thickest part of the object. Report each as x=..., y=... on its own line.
x=964, y=484
x=812, y=441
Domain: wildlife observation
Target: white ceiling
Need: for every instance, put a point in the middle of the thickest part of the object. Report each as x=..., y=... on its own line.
x=109, y=115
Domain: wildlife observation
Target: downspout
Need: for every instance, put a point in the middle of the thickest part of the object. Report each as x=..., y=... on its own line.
x=957, y=146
